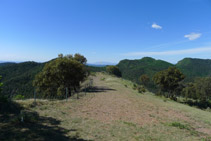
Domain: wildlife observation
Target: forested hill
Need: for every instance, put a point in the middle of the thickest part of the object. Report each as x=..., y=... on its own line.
x=195, y=67
x=133, y=69
x=17, y=77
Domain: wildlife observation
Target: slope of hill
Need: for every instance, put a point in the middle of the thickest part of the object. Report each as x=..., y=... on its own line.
x=17, y=78
x=111, y=111
x=195, y=67
x=133, y=69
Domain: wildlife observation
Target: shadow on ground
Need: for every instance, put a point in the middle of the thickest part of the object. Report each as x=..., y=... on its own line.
x=33, y=126
x=97, y=89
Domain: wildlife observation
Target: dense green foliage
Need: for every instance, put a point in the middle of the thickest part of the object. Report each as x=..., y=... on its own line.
x=61, y=73
x=193, y=68
x=200, y=89
x=133, y=69
x=114, y=70
x=17, y=78
x=168, y=81
x=198, y=93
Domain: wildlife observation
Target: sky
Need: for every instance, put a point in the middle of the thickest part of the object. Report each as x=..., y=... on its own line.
x=105, y=30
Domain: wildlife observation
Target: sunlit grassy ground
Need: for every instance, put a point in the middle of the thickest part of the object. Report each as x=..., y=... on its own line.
x=114, y=111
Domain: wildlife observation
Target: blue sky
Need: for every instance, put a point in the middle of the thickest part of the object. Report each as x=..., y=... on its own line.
x=105, y=30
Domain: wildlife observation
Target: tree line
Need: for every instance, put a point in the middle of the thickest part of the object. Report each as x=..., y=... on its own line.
x=170, y=84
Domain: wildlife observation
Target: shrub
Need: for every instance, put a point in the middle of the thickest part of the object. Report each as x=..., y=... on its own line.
x=179, y=125
x=114, y=70
x=134, y=86
x=102, y=79
x=141, y=89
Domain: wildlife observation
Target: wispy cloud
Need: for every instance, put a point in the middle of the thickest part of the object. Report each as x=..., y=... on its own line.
x=172, y=52
x=193, y=36
x=156, y=26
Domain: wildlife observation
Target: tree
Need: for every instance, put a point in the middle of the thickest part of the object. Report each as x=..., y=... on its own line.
x=203, y=88
x=168, y=80
x=63, y=72
x=114, y=70
x=190, y=91
x=80, y=58
x=144, y=79
x=200, y=91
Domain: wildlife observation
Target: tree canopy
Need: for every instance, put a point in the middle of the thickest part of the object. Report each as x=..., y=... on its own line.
x=144, y=79
x=200, y=89
x=114, y=70
x=63, y=72
x=168, y=80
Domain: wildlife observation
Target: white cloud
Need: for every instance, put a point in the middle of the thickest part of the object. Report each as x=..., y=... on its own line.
x=172, y=52
x=156, y=26
x=193, y=36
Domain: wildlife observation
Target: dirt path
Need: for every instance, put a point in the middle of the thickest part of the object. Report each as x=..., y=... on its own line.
x=112, y=104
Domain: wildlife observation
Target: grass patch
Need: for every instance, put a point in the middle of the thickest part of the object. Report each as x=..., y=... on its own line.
x=129, y=124
x=180, y=125
x=102, y=79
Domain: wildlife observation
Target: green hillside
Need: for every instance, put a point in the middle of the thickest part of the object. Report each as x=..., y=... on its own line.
x=133, y=69
x=17, y=78
x=192, y=67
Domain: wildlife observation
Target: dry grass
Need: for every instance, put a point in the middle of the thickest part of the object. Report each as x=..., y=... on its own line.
x=115, y=112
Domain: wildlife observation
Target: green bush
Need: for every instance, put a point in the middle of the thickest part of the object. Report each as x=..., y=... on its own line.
x=179, y=125
x=134, y=86
x=19, y=97
x=114, y=70
x=102, y=79
x=141, y=89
